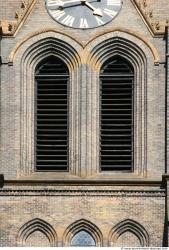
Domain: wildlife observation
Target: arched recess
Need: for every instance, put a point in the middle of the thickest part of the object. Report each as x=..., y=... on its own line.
x=140, y=57
x=116, y=115
x=34, y=226
x=27, y=57
x=132, y=227
x=51, y=115
x=86, y=226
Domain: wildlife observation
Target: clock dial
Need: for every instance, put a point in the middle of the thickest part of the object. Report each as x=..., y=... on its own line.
x=83, y=14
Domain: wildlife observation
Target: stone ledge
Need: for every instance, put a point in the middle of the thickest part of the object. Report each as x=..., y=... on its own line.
x=100, y=182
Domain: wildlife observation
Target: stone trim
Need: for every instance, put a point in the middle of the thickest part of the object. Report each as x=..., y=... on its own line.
x=102, y=48
x=88, y=181
x=135, y=35
x=34, y=225
x=155, y=26
x=34, y=36
x=27, y=57
x=153, y=49
x=84, y=65
x=132, y=226
x=10, y=28
x=82, y=225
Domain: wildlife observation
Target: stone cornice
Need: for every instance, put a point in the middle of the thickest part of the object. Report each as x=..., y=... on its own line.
x=129, y=188
x=82, y=192
x=87, y=182
x=155, y=26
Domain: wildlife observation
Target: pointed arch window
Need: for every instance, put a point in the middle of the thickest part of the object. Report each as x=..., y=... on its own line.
x=116, y=118
x=82, y=239
x=51, y=115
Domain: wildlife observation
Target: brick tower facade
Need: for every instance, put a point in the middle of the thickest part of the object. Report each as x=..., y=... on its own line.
x=84, y=125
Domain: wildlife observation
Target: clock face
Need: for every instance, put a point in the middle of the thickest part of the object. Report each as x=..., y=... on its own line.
x=83, y=14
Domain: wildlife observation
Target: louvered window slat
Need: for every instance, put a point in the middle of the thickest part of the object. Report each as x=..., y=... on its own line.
x=52, y=142
x=116, y=117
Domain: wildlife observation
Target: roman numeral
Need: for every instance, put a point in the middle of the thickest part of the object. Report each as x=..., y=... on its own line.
x=83, y=23
x=52, y=4
x=57, y=14
x=99, y=21
x=110, y=13
x=113, y=2
x=68, y=20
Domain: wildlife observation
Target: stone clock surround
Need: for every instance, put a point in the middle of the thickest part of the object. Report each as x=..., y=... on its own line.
x=83, y=14
x=155, y=24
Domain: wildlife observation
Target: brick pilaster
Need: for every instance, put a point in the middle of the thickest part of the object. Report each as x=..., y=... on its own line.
x=167, y=99
x=166, y=235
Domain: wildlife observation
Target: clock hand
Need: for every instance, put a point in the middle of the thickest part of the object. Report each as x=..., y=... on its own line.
x=71, y=3
x=67, y=4
x=64, y=4
x=97, y=12
x=76, y=3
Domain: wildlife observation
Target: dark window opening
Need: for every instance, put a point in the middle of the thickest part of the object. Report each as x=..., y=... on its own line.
x=116, y=118
x=51, y=115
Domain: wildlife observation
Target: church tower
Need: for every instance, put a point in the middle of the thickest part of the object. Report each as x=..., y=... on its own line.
x=84, y=123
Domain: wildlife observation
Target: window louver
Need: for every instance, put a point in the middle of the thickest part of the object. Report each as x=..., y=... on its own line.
x=116, y=137
x=52, y=115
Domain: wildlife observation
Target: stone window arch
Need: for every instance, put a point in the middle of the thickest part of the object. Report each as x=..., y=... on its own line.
x=37, y=232
x=130, y=230
x=27, y=57
x=83, y=232
x=84, y=64
x=101, y=50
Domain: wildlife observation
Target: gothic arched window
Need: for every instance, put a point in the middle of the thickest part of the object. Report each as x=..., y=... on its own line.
x=116, y=118
x=51, y=115
x=82, y=239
